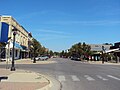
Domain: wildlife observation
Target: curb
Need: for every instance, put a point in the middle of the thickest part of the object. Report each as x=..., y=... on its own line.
x=27, y=62
x=100, y=63
x=47, y=87
x=53, y=85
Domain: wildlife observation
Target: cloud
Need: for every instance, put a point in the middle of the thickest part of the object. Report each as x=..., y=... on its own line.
x=43, y=12
x=104, y=22
x=52, y=31
x=30, y=15
x=45, y=34
x=52, y=37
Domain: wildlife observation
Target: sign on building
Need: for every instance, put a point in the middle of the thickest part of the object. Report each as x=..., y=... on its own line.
x=4, y=27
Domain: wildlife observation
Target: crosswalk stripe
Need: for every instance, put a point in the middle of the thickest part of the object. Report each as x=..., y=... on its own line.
x=113, y=77
x=61, y=78
x=89, y=78
x=100, y=77
x=75, y=78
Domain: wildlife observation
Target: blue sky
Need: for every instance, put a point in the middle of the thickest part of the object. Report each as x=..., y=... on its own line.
x=58, y=24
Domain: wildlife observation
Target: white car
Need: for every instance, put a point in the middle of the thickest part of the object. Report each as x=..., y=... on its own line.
x=37, y=58
x=42, y=58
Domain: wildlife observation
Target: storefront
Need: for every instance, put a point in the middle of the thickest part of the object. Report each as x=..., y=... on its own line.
x=17, y=49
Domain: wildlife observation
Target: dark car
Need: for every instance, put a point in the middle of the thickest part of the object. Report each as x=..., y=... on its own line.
x=75, y=58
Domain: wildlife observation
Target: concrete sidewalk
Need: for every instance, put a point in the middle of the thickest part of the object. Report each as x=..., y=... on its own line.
x=29, y=61
x=100, y=63
x=27, y=80
x=23, y=80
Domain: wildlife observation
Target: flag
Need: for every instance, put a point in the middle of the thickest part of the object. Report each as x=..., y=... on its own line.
x=4, y=28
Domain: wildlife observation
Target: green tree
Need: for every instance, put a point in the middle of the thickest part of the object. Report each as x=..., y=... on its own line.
x=62, y=53
x=56, y=53
x=51, y=53
x=37, y=47
x=81, y=50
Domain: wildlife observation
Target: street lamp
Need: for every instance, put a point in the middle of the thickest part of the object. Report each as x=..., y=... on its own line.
x=13, y=64
x=103, y=54
x=34, y=61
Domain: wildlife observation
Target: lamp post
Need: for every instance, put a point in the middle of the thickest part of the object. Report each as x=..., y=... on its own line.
x=103, y=54
x=13, y=63
x=8, y=52
x=34, y=61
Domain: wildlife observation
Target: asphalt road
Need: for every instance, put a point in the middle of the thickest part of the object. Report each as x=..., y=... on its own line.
x=75, y=75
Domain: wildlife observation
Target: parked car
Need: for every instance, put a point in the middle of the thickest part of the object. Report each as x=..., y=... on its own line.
x=42, y=58
x=37, y=58
x=75, y=58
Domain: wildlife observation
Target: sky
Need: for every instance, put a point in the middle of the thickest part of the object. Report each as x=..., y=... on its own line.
x=59, y=24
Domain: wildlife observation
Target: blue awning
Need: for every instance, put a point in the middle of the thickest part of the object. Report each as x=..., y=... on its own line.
x=18, y=46
x=24, y=48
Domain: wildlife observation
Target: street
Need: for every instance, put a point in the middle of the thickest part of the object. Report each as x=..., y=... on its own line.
x=76, y=75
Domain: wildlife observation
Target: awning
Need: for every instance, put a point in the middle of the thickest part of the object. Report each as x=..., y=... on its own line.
x=17, y=46
x=113, y=50
x=24, y=48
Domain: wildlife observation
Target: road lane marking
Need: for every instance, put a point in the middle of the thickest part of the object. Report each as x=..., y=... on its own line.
x=75, y=78
x=61, y=78
x=100, y=77
x=89, y=78
x=113, y=77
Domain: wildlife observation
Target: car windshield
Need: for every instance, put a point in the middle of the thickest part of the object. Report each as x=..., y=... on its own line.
x=60, y=44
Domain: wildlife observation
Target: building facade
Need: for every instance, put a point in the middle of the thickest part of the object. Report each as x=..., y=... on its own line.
x=22, y=39
x=116, y=51
x=98, y=49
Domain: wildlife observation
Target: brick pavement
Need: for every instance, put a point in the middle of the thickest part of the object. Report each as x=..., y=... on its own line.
x=20, y=83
